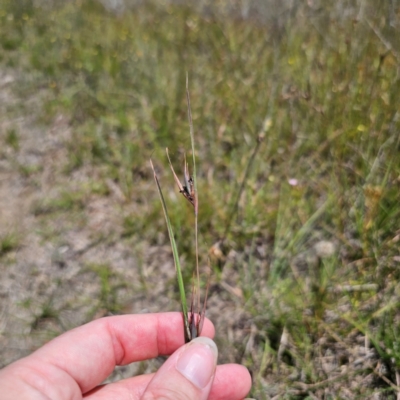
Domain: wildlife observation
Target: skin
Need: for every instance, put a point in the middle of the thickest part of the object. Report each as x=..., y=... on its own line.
x=73, y=365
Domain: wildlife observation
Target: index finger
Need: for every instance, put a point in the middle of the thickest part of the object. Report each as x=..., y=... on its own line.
x=89, y=353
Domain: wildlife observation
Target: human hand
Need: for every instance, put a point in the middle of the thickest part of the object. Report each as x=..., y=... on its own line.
x=73, y=365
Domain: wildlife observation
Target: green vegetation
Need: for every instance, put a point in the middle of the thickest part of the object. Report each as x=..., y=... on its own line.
x=108, y=288
x=296, y=115
x=12, y=139
x=66, y=201
x=8, y=242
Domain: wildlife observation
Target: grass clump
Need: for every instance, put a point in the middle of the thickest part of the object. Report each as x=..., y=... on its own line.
x=65, y=201
x=11, y=139
x=9, y=242
x=109, y=287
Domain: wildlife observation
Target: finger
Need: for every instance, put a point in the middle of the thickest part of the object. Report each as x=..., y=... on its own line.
x=231, y=382
x=88, y=354
x=187, y=374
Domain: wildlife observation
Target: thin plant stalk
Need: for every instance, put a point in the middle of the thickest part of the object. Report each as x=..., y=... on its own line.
x=196, y=201
x=176, y=260
x=235, y=204
x=194, y=321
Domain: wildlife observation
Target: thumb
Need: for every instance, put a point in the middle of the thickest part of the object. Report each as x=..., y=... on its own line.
x=187, y=374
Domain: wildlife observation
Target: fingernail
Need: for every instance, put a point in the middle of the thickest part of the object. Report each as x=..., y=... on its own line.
x=197, y=362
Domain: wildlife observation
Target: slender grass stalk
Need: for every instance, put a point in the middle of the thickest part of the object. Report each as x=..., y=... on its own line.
x=235, y=204
x=196, y=208
x=176, y=259
x=194, y=321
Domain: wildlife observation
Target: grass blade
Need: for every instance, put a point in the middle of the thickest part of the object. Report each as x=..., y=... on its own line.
x=176, y=259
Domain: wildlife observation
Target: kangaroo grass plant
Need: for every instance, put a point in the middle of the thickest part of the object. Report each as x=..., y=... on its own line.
x=193, y=321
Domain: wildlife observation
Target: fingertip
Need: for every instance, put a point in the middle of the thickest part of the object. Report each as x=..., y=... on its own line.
x=198, y=361
x=231, y=382
x=208, y=329
x=187, y=374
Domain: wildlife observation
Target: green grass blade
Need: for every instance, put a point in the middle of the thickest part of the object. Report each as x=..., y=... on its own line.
x=176, y=258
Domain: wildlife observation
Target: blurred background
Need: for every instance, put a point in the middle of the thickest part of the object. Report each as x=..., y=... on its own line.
x=296, y=117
